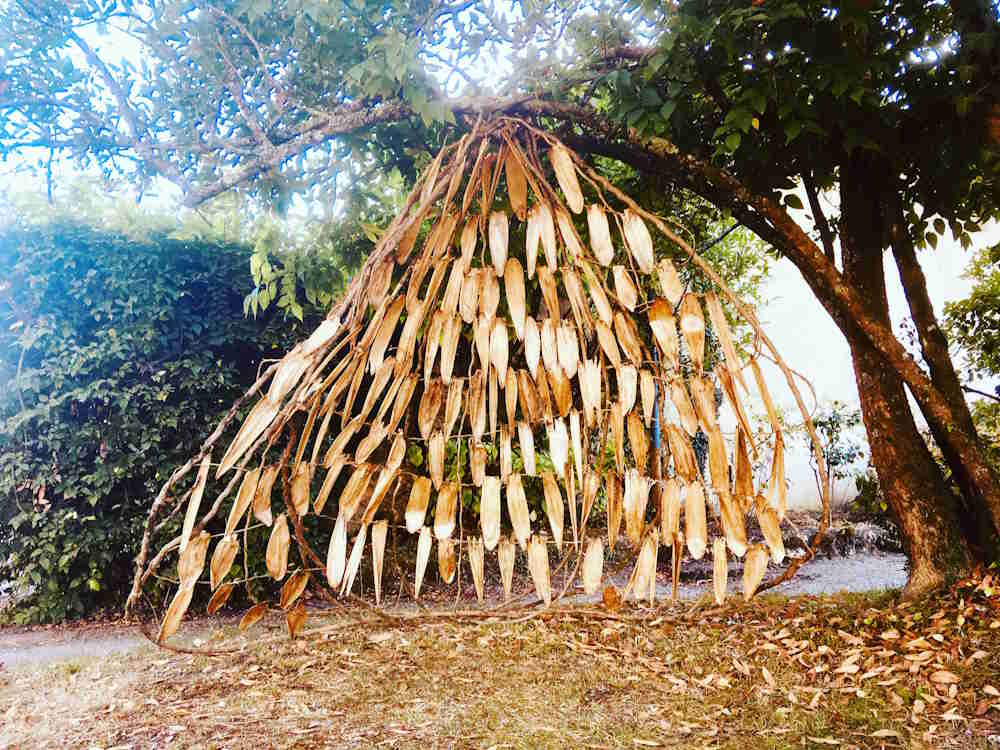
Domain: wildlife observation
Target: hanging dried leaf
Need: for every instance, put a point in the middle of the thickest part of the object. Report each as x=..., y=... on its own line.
x=517, y=185
x=447, y=563
x=453, y=406
x=754, y=569
x=354, y=561
x=191, y=561
x=637, y=240
x=670, y=511
x=538, y=565
x=510, y=397
x=743, y=479
x=452, y=290
x=682, y=402
x=403, y=397
x=628, y=384
x=332, y=474
x=597, y=294
x=547, y=230
x=517, y=509
x=293, y=588
x=733, y=525
x=553, y=506
x=647, y=390
x=477, y=464
x=670, y=281
x=499, y=347
x=245, y=495
x=499, y=236
x=489, y=512
x=644, y=576
x=336, y=554
x=444, y=511
x=734, y=401
x=175, y=613
x=222, y=559
x=493, y=400
x=718, y=464
x=219, y=598
x=253, y=616
x=568, y=349
x=550, y=351
x=533, y=236
x=416, y=508
x=593, y=566
x=423, y=556
x=194, y=502
x=354, y=491
x=725, y=336
x=591, y=486
x=506, y=454
x=468, y=298
x=526, y=441
x=430, y=178
x=430, y=404
x=578, y=303
x=476, y=564
x=489, y=293
x=571, y=502
x=590, y=391
x=562, y=164
x=450, y=335
x=703, y=397
x=477, y=406
x=544, y=396
x=558, y=446
x=433, y=338
x=576, y=443
x=695, y=523
x=408, y=240
x=664, y=327
x=277, y=548
x=435, y=458
x=617, y=418
x=693, y=329
x=638, y=440
x=562, y=391
x=528, y=396
x=385, y=331
x=625, y=289
x=505, y=555
x=532, y=345
x=600, y=234
x=379, y=533
x=628, y=337
x=287, y=376
x=770, y=527
x=378, y=286
x=634, y=505
x=547, y=283
x=513, y=279
x=765, y=396
x=609, y=344
x=301, y=479
x=262, y=495
x=680, y=448
x=777, y=492
x=615, y=500
x=720, y=570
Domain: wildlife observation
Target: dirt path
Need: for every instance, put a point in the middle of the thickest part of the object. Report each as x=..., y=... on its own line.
x=867, y=572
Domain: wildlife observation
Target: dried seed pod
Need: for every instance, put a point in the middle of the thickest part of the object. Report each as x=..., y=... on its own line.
x=450, y=334
x=477, y=406
x=609, y=344
x=578, y=302
x=532, y=345
x=628, y=385
x=517, y=185
x=513, y=280
x=453, y=406
x=695, y=523
x=506, y=454
x=498, y=234
x=277, y=548
x=499, y=347
x=468, y=298
x=693, y=329
x=647, y=391
x=591, y=486
x=489, y=512
x=777, y=492
x=550, y=351
x=253, y=616
x=720, y=570
x=301, y=479
x=510, y=397
x=191, y=561
x=670, y=281
x=670, y=511
x=625, y=289
x=435, y=458
x=245, y=495
x=477, y=464
x=452, y=290
x=222, y=559
x=733, y=525
x=379, y=533
x=547, y=230
x=526, y=441
x=517, y=509
x=528, y=396
x=613, y=488
x=355, y=491
x=628, y=337
x=568, y=349
x=754, y=568
x=489, y=293
x=175, y=613
x=293, y=588
x=562, y=164
x=637, y=240
x=533, y=235
x=725, y=336
x=562, y=391
x=558, y=446
x=470, y=235
x=336, y=553
x=664, y=327
x=219, y=598
x=600, y=234
x=680, y=448
x=682, y=402
x=423, y=555
x=718, y=464
x=505, y=554
x=547, y=283
x=590, y=391
x=476, y=564
x=770, y=527
x=634, y=501
x=553, y=506
x=644, y=576
x=386, y=329
x=444, y=511
x=638, y=440
x=354, y=561
x=194, y=502
x=538, y=565
x=262, y=495
x=416, y=508
x=430, y=405
x=703, y=396
x=618, y=434
x=601, y=302
x=576, y=442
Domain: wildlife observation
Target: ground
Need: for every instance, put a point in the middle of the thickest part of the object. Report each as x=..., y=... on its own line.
x=864, y=671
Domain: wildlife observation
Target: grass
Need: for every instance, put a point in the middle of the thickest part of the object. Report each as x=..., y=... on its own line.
x=844, y=671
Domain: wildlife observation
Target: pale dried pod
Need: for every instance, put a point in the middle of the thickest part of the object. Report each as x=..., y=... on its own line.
x=499, y=347
x=423, y=556
x=506, y=454
x=517, y=509
x=527, y=394
x=506, y=553
x=450, y=335
x=722, y=331
x=453, y=289
x=262, y=495
x=637, y=240
x=301, y=480
x=571, y=240
x=550, y=349
x=468, y=298
x=219, y=598
x=477, y=464
x=489, y=512
x=517, y=184
x=513, y=279
x=625, y=288
x=222, y=559
x=435, y=458
x=628, y=337
x=617, y=419
x=628, y=386
x=615, y=498
x=477, y=565
x=562, y=164
x=670, y=281
x=685, y=464
x=568, y=349
x=489, y=293
x=430, y=405
x=554, y=510
x=468, y=239
x=533, y=236
x=602, y=304
x=447, y=562
x=510, y=397
x=532, y=345
x=590, y=391
x=538, y=565
x=600, y=234
x=593, y=566
x=664, y=327
x=609, y=344
x=558, y=446
x=644, y=576
x=336, y=554
x=695, y=522
x=499, y=232
x=733, y=524
x=432, y=337
x=682, y=402
x=416, y=508
x=638, y=439
x=547, y=230
x=562, y=391
x=633, y=505
x=754, y=568
x=276, y=556
x=526, y=441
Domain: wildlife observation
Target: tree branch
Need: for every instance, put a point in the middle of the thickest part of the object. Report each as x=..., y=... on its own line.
x=819, y=218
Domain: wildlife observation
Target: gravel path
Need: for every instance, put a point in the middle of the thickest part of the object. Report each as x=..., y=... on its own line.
x=862, y=572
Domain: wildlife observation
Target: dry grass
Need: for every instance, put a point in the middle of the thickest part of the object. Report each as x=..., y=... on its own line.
x=844, y=672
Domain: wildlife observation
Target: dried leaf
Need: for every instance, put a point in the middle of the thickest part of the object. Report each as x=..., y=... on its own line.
x=576, y=443
x=526, y=441
x=597, y=294
x=538, y=565
x=547, y=230
x=547, y=283
x=647, y=389
x=301, y=479
x=693, y=329
x=444, y=511
x=296, y=620
x=245, y=495
x=664, y=327
x=590, y=391
x=558, y=446
x=644, y=576
x=336, y=554
x=354, y=561
x=468, y=298
x=533, y=236
x=615, y=499
x=628, y=338
x=433, y=341
x=528, y=396
x=416, y=508
x=175, y=613
x=682, y=402
x=754, y=568
x=670, y=511
x=637, y=240
x=276, y=556
x=593, y=566
x=513, y=280
x=638, y=440
x=447, y=564
x=222, y=559
x=695, y=524
x=568, y=349
x=477, y=464
x=517, y=184
x=634, y=502
x=354, y=493
x=733, y=524
x=770, y=527
x=489, y=293
x=499, y=236
x=379, y=533
x=476, y=563
x=219, y=598
x=578, y=302
x=725, y=336
x=430, y=405
x=532, y=345
x=262, y=495
x=499, y=347
x=670, y=281
x=293, y=588
x=625, y=288
x=423, y=556
x=517, y=509
x=191, y=561
x=617, y=419
x=385, y=331
x=510, y=397
x=600, y=234
x=562, y=391
x=194, y=502
x=435, y=458
x=253, y=616
x=609, y=344
x=450, y=335
x=718, y=464
x=628, y=385
x=489, y=512
x=562, y=164
x=683, y=455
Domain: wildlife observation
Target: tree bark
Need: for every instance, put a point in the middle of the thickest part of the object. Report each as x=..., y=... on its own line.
x=910, y=478
x=934, y=348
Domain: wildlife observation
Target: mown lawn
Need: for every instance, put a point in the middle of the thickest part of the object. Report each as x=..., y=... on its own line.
x=843, y=671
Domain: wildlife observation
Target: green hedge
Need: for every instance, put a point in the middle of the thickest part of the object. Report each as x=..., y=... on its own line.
x=117, y=358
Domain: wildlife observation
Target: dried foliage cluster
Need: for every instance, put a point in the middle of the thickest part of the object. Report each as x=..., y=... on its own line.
x=516, y=367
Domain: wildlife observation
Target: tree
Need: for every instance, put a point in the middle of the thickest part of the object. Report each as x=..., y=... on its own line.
x=890, y=104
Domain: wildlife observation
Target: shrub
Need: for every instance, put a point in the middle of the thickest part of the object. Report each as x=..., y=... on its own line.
x=117, y=358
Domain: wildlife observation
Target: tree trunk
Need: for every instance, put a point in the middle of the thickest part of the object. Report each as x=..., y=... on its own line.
x=975, y=518
x=911, y=480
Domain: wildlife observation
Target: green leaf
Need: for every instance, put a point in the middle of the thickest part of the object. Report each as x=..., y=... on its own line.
x=793, y=201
